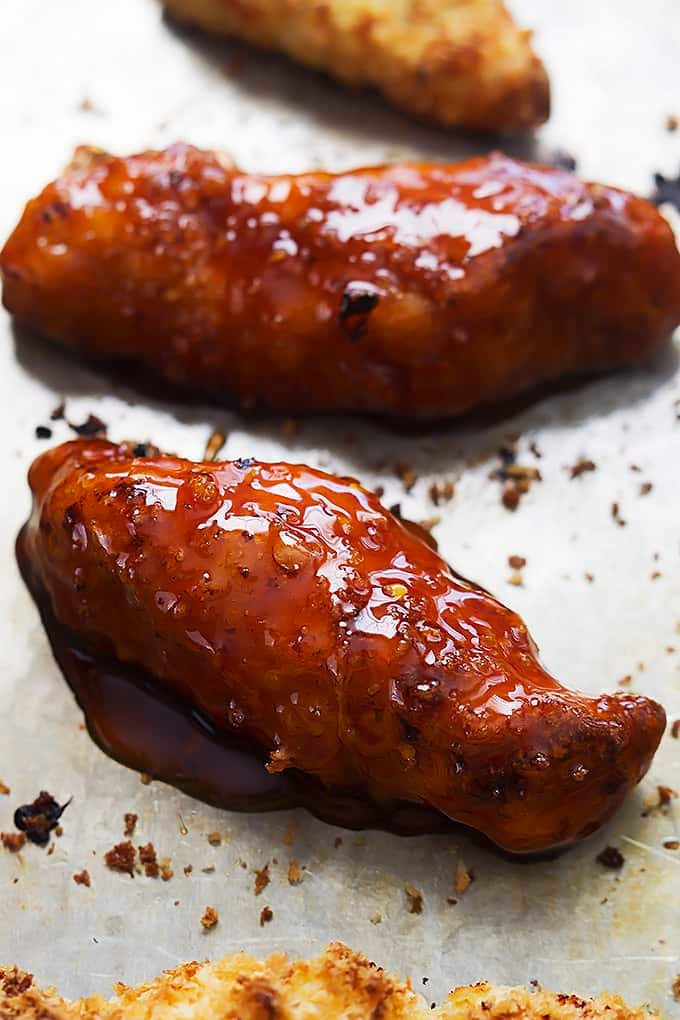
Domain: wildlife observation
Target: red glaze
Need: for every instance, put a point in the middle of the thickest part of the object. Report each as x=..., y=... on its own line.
x=415, y=290
x=289, y=605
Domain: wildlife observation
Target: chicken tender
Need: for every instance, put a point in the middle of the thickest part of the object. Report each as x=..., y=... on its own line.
x=338, y=985
x=456, y=62
x=289, y=606
x=410, y=291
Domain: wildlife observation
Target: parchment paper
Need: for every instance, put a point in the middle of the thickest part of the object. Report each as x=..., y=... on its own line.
x=117, y=76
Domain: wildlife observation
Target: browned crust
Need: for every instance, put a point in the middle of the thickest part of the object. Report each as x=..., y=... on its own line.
x=338, y=984
x=457, y=63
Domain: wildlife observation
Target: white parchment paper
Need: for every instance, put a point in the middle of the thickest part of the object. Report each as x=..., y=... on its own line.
x=117, y=76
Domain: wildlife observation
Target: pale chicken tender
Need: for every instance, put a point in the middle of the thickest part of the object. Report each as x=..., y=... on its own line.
x=457, y=62
x=338, y=985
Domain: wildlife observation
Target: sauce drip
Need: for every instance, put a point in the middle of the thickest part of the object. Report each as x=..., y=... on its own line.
x=139, y=724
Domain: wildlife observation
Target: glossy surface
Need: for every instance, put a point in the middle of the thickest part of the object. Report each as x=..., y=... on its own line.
x=415, y=290
x=290, y=608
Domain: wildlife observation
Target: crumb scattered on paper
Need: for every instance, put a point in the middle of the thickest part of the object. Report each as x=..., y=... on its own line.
x=262, y=879
x=210, y=918
x=414, y=898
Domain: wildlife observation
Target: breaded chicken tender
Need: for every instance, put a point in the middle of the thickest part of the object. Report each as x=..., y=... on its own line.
x=456, y=62
x=338, y=984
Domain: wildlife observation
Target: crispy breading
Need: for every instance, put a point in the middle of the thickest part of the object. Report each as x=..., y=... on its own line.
x=457, y=62
x=338, y=984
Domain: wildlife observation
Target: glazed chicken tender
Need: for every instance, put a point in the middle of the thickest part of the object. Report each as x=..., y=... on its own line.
x=338, y=985
x=456, y=62
x=408, y=291
x=289, y=606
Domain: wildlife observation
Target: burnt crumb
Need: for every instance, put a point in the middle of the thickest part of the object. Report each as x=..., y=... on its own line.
x=210, y=918
x=441, y=492
x=672, y=122
x=517, y=562
x=356, y=304
x=337, y=842
x=581, y=467
x=59, y=831
x=145, y=779
x=646, y=488
x=140, y=450
x=43, y=432
x=510, y=497
x=295, y=875
x=244, y=572
x=533, y=446
x=611, y=857
x=675, y=988
x=39, y=818
x=130, y=821
x=666, y=189
x=214, y=839
x=516, y=478
x=616, y=514
x=92, y=426
x=58, y=412
x=589, y=577
x=121, y=857
x=82, y=878
x=672, y=844
x=675, y=729
x=414, y=898
x=266, y=915
x=396, y=510
x=13, y=841
x=563, y=160
x=147, y=856
x=451, y=901
x=262, y=879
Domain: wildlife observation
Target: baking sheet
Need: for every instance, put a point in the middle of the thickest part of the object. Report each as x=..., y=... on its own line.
x=119, y=77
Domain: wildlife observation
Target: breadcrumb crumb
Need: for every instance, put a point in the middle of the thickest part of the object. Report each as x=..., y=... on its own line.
x=210, y=918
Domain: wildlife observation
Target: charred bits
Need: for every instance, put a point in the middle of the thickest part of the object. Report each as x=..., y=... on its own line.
x=39, y=818
x=666, y=189
x=516, y=478
x=611, y=857
x=92, y=426
x=357, y=303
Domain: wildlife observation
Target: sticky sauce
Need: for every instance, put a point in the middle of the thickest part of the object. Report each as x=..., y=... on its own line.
x=148, y=729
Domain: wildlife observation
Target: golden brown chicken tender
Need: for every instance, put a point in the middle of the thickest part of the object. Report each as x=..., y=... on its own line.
x=456, y=62
x=338, y=985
